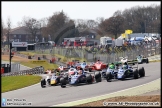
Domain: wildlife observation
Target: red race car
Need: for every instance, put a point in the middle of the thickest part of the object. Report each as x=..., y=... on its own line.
x=98, y=66
x=62, y=68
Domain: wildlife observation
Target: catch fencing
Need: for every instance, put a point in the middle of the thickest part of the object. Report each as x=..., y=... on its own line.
x=105, y=54
x=33, y=71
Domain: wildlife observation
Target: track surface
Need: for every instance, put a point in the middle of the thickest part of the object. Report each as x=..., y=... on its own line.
x=56, y=95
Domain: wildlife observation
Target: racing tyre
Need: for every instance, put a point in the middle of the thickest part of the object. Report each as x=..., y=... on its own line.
x=63, y=82
x=89, y=78
x=43, y=83
x=147, y=61
x=142, y=72
x=108, y=76
x=135, y=73
x=98, y=77
x=90, y=70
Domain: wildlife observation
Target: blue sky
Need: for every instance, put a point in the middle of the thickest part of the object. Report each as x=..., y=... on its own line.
x=75, y=10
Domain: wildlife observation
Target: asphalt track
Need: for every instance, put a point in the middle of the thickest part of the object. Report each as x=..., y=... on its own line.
x=56, y=95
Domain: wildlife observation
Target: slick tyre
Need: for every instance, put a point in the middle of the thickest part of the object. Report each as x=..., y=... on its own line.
x=98, y=77
x=147, y=61
x=43, y=83
x=89, y=78
x=142, y=72
x=135, y=73
x=108, y=76
x=62, y=82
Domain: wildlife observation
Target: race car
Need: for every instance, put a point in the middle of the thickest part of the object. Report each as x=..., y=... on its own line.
x=62, y=68
x=98, y=66
x=53, y=79
x=142, y=59
x=112, y=67
x=48, y=71
x=125, y=71
x=78, y=79
x=83, y=65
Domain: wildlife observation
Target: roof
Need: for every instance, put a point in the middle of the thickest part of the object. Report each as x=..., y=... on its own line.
x=20, y=30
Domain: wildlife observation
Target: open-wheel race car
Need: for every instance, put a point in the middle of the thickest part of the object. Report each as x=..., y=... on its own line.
x=142, y=59
x=81, y=78
x=83, y=65
x=62, y=68
x=53, y=79
x=124, y=71
x=98, y=66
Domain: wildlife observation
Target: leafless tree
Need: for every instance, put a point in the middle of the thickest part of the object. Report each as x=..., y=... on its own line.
x=56, y=22
x=91, y=24
x=8, y=30
x=32, y=25
x=113, y=25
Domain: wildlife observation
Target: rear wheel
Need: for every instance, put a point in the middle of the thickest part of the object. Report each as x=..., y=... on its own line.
x=142, y=72
x=98, y=77
x=63, y=82
x=89, y=78
x=147, y=61
x=135, y=73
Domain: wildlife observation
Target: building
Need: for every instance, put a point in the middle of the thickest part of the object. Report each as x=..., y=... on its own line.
x=21, y=34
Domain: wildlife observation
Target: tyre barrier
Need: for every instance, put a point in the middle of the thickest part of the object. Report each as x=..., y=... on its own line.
x=33, y=71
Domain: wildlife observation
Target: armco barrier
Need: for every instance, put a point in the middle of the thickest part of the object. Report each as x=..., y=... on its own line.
x=33, y=71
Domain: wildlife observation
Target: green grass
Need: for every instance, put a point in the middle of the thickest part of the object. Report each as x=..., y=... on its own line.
x=10, y=83
x=45, y=65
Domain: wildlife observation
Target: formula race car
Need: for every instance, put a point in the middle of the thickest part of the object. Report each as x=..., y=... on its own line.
x=125, y=71
x=78, y=79
x=52, y=80
x=83, y=65
x=62, y=68
x=98, y=66
x=141, y=59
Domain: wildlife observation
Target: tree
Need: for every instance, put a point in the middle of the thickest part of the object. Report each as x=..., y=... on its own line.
x=33, y=26
x=81, y=24
x=44, y=29
x=8, y=30
x=113, y=25
x=56, y=22
x=91, y=24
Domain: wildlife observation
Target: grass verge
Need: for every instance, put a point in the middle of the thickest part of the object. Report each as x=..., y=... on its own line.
x=10, y=83
x=45, y=65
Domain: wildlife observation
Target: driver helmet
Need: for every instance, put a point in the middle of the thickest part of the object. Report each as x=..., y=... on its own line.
x=57, y=73
x=125, y=66
x=111, y=66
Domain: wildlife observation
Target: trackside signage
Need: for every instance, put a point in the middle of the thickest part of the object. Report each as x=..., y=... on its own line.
x=19, y=44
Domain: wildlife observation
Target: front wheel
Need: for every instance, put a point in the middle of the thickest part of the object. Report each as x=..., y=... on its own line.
x=108, y=77
x=43, y=83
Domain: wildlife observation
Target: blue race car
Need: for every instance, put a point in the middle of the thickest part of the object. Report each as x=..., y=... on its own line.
x=76, y=79
x=125, y=71
x=141, y=59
